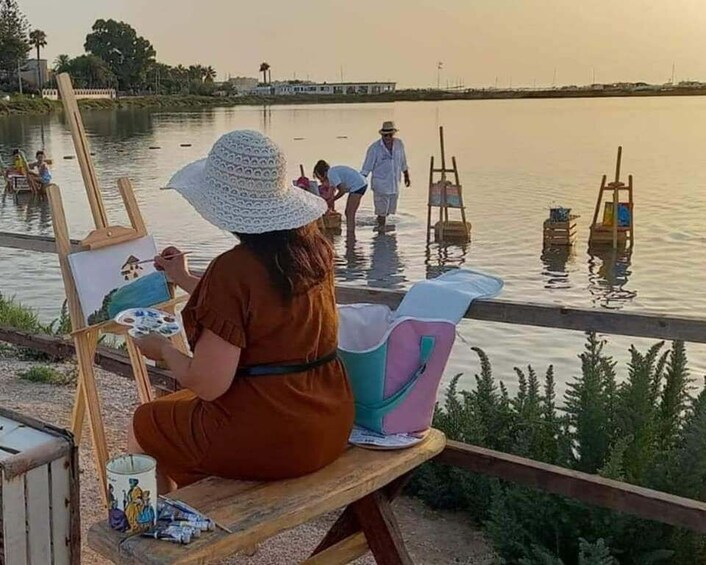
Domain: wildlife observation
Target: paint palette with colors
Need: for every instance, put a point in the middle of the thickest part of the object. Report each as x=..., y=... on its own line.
x=144, y=321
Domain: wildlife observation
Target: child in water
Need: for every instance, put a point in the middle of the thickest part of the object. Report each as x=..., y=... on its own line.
x=43, y=174
x=17, y=168
x=337, y=181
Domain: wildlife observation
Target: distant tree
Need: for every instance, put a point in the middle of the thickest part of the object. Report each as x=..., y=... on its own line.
x=38, y=40
x=13, y=40
x=61, y=64
x=195, y=72
x=209, y=74
x=264, y=68
x=127, y=55
x=89, y=71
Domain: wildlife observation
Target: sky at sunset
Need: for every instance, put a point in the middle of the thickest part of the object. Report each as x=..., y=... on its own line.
x=521, y=42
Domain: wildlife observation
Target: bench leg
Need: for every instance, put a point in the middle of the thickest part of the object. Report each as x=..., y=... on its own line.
x=368, y=515
x=374, y=512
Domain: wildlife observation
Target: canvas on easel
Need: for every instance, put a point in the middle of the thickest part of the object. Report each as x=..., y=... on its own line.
x=616, y=227
x=107, y=246
x=115, y=278
x=446, y=195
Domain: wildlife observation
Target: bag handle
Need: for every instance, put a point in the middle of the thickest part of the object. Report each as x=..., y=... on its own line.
x=426, y=348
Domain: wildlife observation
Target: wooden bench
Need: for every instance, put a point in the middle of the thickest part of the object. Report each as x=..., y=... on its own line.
x=363, y=481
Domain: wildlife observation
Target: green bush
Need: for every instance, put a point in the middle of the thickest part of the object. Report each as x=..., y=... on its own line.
x=47, y=375
x=15, y=315
x=647, y=430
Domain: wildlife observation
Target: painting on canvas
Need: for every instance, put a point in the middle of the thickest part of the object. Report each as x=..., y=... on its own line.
x=112, y=279
x=453, y=195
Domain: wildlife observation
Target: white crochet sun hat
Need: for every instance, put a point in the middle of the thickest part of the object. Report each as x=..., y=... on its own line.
x=241, y=187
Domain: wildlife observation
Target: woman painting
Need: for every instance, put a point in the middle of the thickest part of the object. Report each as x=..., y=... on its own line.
x=264, y=396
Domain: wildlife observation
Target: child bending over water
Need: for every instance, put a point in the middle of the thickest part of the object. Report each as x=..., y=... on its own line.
x=337, y=181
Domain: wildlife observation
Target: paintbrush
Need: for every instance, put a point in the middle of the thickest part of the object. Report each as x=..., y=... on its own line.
x=165, y=257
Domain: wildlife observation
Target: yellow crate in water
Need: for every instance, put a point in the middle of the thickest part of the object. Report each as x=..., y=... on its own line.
x=331, y=221
x=452, y=231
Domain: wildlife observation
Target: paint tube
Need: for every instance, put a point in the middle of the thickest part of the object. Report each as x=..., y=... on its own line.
x=183, y=507
x=171, y=533
x=198, y=525
x=184, y=511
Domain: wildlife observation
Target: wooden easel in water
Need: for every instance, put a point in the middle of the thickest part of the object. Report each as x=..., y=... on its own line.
x=104, y=235
x=614, y=229
x=445, y=195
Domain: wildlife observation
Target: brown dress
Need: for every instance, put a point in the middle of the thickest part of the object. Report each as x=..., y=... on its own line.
x=266, y=427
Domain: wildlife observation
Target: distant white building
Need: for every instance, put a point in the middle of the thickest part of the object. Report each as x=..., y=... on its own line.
x=291, y=88
x=82, y=93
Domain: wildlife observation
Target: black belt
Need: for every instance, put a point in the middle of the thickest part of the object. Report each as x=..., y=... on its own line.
x=271, y=370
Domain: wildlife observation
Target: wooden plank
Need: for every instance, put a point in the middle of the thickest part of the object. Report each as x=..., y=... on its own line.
x=140, y=371
x=381, y=530
x=75, y=508
x=56, y=347
x=35, y=452
x=649, y=325
x=60, y=476
x=85, y=348
x=108, y=236
x=83, y=152
x=591, y=489
x=107, y=358
x=341, y=553
x=14, y=521
x=655, y=326
x=263, y=510
x=40, y=243
x=344, y=527
x=133, y=210
x=38, y=515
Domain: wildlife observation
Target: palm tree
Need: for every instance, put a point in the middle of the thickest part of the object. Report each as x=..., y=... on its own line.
x=264, y=67
x=38, y=40
x=61, y=64
x=209, y=74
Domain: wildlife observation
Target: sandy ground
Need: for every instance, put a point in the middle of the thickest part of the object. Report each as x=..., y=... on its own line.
x=433, y=538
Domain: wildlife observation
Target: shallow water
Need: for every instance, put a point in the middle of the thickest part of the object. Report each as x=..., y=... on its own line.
x=516, y=158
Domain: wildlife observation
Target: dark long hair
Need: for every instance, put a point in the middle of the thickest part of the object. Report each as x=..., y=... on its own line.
x=296, y=260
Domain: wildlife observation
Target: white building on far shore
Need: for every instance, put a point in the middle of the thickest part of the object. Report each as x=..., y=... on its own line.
x=292, y=88
x=83, y=93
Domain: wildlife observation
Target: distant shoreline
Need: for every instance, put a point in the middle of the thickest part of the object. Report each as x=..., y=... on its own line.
x=26, y=106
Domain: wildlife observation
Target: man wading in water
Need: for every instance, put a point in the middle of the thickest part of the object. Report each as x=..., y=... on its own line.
x=386, y=162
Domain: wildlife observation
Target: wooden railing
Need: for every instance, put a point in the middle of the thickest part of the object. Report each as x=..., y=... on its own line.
x=590, y=489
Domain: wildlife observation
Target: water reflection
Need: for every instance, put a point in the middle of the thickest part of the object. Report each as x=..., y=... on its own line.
x=29, y=209
x=555, y=260
x=608, y=275
x=386, y=266
x=351, y=264
x=442, y=257
x=266, y=118
x=119, y=125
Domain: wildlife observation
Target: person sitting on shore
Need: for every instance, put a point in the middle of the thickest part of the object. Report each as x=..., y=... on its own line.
x=344, y=180
x=43, y=174
x=264, y=395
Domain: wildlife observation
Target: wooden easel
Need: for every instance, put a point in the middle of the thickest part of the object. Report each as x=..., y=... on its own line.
x=445, y=195
x=86, y=337
x=612, y=233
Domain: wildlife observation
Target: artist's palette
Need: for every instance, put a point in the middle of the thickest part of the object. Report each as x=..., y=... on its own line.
x=145, y=321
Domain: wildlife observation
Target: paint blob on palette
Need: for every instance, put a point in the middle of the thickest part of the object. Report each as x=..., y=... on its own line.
x=145, y=321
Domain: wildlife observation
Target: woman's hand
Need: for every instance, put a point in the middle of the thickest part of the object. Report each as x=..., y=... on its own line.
x=174, y=264
x=153, y=346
